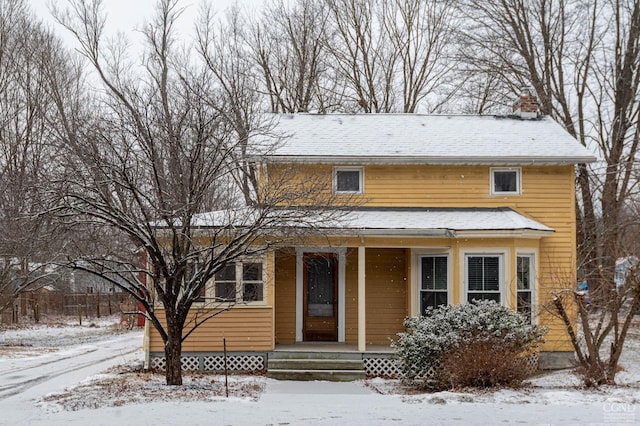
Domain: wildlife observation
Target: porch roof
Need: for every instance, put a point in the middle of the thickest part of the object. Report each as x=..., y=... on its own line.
x=410, y=221
x=446, y=222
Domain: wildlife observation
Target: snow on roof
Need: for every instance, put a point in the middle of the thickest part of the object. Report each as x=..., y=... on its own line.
x=439, y=221
x=432, y=139
x=446, y=222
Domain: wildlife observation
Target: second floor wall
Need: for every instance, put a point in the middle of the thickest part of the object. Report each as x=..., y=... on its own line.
x=532, y=190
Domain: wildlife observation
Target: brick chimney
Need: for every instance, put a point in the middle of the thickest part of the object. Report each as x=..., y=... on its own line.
x=527, y=105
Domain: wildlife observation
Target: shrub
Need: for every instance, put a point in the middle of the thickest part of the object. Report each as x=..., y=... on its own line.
x=476, y=344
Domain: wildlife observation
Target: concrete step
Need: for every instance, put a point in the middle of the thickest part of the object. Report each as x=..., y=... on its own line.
x=314, y=355
x=314, y=364
x=329, y=375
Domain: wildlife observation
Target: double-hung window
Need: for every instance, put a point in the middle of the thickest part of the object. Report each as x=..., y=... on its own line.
x=505, y=181
x=433, y=282
x=484, y=276
x=348, y=180
x=252, y=284
x=525, y=281
x=225, y=283
x=241, y=281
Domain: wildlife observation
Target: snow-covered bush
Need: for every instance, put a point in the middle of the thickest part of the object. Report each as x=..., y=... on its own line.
x=475, y=344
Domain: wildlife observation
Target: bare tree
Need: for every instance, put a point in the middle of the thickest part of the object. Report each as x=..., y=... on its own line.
x=222, y=46
x=603, y=325
x=422, y=32
x=394, y=56
x=28, y=54
x=154, y=154
x=363, y=56
x=289, y=44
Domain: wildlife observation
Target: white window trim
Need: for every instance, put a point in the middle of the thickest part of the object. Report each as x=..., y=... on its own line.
x=518, y=171
x=360, y=171
x=505, y=256
x=415, y=273
x=533, y=255
x=447, y=291
x=211, y=285
x=341, y=252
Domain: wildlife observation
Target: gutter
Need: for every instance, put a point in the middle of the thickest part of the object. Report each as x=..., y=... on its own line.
x=446, y=233
x=523, y=233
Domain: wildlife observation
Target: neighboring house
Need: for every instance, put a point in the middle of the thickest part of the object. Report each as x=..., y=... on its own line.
x=449, y=209
x=623, y=266
x=79, y=281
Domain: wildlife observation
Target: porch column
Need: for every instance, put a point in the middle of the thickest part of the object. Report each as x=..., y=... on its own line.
x=362, y=320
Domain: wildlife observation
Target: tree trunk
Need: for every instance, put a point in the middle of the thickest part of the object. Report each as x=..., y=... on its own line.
x=172, y=353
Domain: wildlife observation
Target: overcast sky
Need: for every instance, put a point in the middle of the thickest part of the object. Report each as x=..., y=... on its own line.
x=127, y=15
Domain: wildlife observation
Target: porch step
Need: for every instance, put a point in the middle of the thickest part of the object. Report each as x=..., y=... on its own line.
x=329, y=375
x=315, y=355
x=338, y=367
x=315, y=364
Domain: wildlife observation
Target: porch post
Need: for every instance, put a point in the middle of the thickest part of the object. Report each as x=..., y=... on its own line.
x=362, y=323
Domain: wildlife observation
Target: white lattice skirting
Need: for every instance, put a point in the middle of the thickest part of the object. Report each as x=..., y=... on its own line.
x=530, y=363
x=380, y=367
x=386, y=367
x=374, y=366
x=235, y=363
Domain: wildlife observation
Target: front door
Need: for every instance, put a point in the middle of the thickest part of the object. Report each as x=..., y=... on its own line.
x=320, y=297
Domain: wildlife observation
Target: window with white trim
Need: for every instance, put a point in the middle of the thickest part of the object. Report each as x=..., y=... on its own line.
x=505, y=181
x=225, y=283
x=252, y=284
x=433, y=282
x=483, y=274
x=348, y=180
x=241, y=281
x=525, y=283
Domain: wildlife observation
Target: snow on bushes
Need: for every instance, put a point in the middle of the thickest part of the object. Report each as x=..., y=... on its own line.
x=476, y=344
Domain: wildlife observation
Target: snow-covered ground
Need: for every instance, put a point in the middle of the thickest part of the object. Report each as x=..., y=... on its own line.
x=64, y=375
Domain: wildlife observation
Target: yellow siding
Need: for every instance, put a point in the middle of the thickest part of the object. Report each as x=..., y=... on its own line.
x=548, y=196
x=386, y=293
x=245, y=329
x=285, y=294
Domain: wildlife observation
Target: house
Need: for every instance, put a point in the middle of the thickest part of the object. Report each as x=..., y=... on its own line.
x=449, y=209
x=623, y=266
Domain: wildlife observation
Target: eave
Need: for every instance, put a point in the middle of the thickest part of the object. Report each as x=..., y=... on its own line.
x=413, y=160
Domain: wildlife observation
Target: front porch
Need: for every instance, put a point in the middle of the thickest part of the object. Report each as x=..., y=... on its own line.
x=302, y=361
x=334, y=299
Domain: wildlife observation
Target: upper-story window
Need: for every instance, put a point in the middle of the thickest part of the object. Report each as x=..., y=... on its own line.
x=348, y=180
x=505, y=181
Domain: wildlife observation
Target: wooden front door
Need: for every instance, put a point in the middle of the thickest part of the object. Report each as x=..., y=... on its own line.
x=320, y=301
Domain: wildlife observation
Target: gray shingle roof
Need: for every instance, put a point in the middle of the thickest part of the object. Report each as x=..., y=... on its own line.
x=452, y=220
x=430, y=139
x=411, y=221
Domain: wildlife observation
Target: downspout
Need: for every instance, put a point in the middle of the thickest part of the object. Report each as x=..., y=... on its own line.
x=146, y=343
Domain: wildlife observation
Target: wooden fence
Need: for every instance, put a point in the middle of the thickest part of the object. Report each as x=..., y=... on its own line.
x=34, y=304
